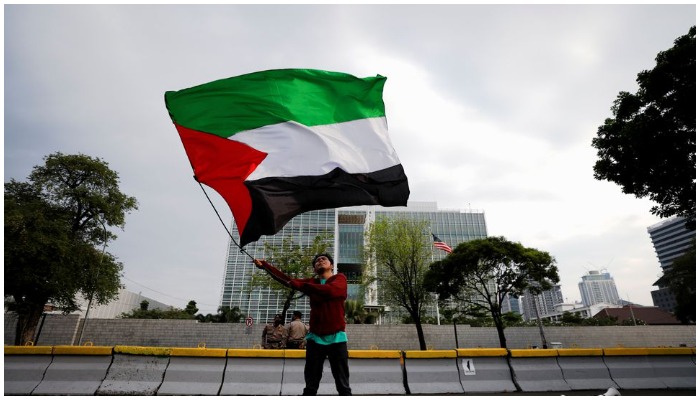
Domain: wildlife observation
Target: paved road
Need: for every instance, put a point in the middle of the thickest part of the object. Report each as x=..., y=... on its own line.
x=649, y=392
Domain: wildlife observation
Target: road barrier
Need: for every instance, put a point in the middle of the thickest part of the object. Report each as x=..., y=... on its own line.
x=75, y=371
x=376, y=372
x=129, y=370
x=537, y=370
x=253, y=372
x=675, y=367
x=25, y=367
x=432, y=371
x=584, y=369
x=651, y=368
x=197, y=372
x=484, y=371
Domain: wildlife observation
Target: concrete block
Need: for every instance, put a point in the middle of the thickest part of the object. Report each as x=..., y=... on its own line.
x=376, y=372
x=630, y=368
x=537, y=370
x=134, y=375
x=675, y=371
x=253, y=376
x=432, y=372
x=193, y=376
x=74, y=375
x=23, y=373
x=584, y=369
x=484, y=370
x=253, y=372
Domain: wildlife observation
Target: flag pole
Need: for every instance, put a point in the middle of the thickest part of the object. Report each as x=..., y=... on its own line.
x=222, y=221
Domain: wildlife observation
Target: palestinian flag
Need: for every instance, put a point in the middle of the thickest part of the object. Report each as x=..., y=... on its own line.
x=277, y=143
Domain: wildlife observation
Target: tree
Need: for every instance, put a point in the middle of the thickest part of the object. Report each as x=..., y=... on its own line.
x=355, y=313
x=569, y=318
x=648, y=148
x=191, y=307
x=292, y=259
x=170, y=313
x=482, y=272
x=56, y=235
x=680, y=278
x=400, y=250
x=225, y=314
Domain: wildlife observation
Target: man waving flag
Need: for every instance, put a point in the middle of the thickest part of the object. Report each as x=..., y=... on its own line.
x=277, y=143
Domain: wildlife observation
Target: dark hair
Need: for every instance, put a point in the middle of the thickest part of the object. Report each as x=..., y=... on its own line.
x=328, y=256
x=297, y=314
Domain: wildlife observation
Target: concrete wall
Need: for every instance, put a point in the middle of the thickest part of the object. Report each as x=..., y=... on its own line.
x=64, y=330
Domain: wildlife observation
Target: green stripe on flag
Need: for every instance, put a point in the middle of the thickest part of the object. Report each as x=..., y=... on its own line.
x=310, y=97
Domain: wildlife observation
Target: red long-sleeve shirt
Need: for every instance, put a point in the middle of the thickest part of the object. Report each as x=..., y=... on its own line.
x=327, y=300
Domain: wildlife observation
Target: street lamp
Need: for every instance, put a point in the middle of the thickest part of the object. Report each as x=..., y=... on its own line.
x=97, y=275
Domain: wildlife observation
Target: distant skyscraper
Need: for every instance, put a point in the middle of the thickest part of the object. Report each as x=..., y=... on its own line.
x=597, y=287
x=511, y=304
x=671, y=239
x=346, y=227
x=544, y=302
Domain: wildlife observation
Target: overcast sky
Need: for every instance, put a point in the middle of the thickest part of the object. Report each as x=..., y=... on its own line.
x=490, y=107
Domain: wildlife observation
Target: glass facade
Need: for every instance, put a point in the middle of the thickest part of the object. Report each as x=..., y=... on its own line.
x=671, y=239
x=347, y=227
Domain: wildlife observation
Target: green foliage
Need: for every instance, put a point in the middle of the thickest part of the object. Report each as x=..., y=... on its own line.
x=355, y=313
x=292, y=259
x=512, y=318
x=172, y=313
x=569, y=318
x=191, y=307
x=225, y=314
x=648, y=148
x=480, y=274
x=56, y=234
x=399, y=249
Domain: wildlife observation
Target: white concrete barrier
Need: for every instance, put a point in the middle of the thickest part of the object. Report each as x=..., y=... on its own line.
x=124, y=370
x=135, y=371
x=630, y=368
x=537, y=370
x=584, y=369
x=484, y=371
x=75, y=370
x=24, y=368
x=432, y=371
x=194, y=372
x=674, y=366
x=253, y=372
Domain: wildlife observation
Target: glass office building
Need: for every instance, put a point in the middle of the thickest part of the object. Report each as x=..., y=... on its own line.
x=671, y=239
x=346, y=226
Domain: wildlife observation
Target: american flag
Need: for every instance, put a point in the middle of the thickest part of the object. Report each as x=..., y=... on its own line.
x=439, y=244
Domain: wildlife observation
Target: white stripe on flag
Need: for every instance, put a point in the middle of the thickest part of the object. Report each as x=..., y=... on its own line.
x=359, y=146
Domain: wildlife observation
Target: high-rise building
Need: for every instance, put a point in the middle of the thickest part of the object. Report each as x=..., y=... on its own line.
x=671, y=239
x=346, y=227
x=534, y=305
x=598, y=287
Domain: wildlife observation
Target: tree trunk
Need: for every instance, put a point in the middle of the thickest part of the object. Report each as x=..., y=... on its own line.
x=27, y=322
x=287, y=304
x=500, y=329
x=419, y=331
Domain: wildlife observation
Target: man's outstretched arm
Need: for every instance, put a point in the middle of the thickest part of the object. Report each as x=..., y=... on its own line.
x=276, y=274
